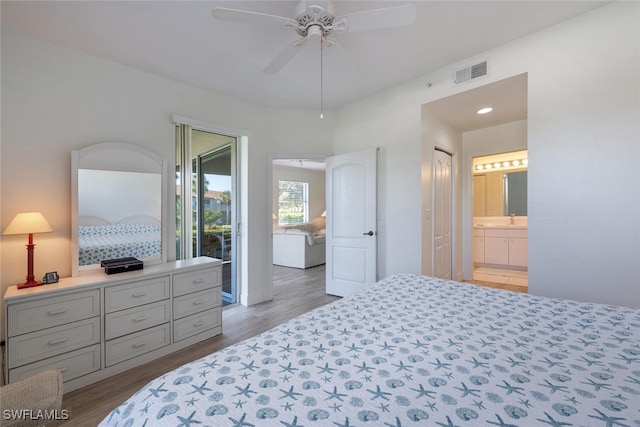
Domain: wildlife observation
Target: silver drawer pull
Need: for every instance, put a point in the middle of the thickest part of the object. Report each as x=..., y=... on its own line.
x=198, y=302
x=58, y=341
x=198, y=324
x=140, y=344
x=196, y=281
x=63, y=370
x=139, y=319
x=58, y=311
x=138, y=294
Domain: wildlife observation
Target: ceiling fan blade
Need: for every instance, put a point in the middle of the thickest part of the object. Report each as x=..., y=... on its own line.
x=378, y=19
x=249, y=17
x=284, y=57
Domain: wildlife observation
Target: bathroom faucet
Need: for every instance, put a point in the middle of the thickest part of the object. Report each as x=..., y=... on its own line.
x=512, y=221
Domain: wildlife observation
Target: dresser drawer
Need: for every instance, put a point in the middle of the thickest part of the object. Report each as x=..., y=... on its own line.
x=48, y=312
x=197, y=302
x=136, y=319
x=121, y=349
x=134, y=294
x=72, y=365
x=185, y=283
x=196, y=323
x=51, y=342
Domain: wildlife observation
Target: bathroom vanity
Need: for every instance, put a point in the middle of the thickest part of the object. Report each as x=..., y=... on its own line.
x=500, y=245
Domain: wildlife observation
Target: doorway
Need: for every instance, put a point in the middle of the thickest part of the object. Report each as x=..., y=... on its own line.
x=297, y=195
x=207, y=225
x=457, y=124
x=500, y=218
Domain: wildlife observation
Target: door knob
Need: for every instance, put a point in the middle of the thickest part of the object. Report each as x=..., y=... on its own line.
x=370, y=233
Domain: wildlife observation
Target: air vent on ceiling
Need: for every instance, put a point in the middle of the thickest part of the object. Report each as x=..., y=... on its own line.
x=469, y=73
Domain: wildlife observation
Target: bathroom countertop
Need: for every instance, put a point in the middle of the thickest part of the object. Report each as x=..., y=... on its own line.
x=514, y=226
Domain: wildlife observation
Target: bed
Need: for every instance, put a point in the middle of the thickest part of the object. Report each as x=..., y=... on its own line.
x=413, y=351
x=298, y=248
x=300, y=245
x=136, y=236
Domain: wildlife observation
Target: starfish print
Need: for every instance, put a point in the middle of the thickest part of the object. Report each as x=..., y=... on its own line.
x=188, y=420
x=288, y=368
x=511, y=389
x=327, y=369
x=379, y=393
x=335, y=394
x=293, y=423
x=241, y=422
x=467, y=391
x=439, y=364
x=291, y=394
x=402, y=367
x=245, y=391
x=448, y=424
x=155, y=392
x=554, y=388
x=346, y=423
x=200, y=389
x=553, y=422
x=249, y=366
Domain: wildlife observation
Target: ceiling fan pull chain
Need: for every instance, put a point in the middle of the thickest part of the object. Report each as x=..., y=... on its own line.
x=321, y=81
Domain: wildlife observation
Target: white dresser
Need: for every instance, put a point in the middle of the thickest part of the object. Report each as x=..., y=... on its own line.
x=94, y=326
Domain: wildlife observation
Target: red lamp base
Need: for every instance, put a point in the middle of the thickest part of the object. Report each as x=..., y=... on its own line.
x=29, y=284
x=31, y=280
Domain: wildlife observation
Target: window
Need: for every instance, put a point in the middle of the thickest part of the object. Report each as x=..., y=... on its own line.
x=293, y=202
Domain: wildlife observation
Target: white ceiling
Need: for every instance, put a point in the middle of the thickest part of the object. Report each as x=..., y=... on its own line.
x=182, y=41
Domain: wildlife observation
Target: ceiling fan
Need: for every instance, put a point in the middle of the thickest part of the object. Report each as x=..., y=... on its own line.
x=315, y=23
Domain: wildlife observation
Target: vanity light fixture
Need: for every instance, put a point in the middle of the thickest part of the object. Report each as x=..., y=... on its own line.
x=28, y=223
x=484, y=110
x=501, y=166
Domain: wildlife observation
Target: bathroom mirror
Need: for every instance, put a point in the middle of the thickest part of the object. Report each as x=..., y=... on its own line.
x=500, y=184
x=515, y=193
x=117, y=208
x=500, y=193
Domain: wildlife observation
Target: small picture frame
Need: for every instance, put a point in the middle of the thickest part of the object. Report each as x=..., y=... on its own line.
x=51, y=277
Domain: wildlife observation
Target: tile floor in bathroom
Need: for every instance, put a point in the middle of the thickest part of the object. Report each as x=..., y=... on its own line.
x=502, y=276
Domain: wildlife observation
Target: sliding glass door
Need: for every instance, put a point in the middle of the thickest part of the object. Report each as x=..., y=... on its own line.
x=211, y=216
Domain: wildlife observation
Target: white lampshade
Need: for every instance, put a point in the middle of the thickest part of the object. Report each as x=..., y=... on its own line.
x=324, y=214
x=28, y=223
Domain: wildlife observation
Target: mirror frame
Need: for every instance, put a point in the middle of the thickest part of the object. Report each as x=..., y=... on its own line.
x=115, y=156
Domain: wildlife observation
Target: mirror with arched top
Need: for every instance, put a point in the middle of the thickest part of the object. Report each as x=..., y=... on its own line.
x=117, y=208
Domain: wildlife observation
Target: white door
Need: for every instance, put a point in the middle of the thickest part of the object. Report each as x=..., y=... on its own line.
x=442, y=217
x=351, y=221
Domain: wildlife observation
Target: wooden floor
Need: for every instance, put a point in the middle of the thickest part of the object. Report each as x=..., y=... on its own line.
x=295, y=292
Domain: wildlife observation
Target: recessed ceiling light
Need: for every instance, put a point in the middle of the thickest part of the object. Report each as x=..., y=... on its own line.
x=484, y=110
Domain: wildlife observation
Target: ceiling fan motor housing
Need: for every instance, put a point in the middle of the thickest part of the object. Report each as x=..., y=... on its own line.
x=314, y=16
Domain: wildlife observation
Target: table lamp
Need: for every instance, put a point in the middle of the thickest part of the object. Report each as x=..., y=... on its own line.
x=28, y=223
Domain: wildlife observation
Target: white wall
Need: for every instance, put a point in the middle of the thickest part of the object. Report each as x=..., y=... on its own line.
x=583, y=141
x=55, y=100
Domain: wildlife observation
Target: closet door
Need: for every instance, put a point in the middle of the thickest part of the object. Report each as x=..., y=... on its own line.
x=442, y=215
